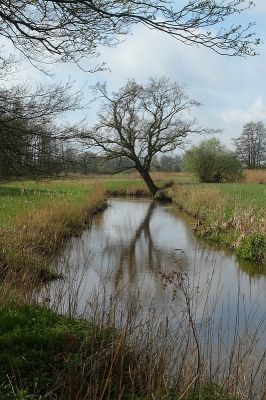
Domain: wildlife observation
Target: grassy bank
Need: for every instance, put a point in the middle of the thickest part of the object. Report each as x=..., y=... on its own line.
x=133, y=184
x=231, y=214
x=36, y=217
x=119, y=350
x=35, y=220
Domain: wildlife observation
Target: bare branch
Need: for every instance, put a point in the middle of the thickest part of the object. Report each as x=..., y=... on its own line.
x=47, y=31
x=139, y=121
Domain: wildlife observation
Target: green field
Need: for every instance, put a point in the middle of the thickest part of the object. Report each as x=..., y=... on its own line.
x=245, y=193
x=231, y=214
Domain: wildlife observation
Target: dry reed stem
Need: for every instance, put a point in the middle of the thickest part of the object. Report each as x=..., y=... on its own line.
x=154, y=356
x=209, y=207
x=37, y=235
x=255, y=176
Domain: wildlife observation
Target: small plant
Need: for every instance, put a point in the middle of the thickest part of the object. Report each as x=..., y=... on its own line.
x=252, y=247
x=210, y=391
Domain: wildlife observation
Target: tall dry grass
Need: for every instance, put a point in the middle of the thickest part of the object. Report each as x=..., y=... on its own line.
x=38, y=232
x=134, y=352
x=220, y=211
x=255, y=176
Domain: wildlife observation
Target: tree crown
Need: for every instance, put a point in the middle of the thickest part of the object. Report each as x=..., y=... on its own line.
x=141, y=120
x=211, y=161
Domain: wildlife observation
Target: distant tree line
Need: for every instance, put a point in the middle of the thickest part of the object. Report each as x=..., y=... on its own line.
x=32, y=131
x=46, y=156
x=140, y=127
x=29, y=150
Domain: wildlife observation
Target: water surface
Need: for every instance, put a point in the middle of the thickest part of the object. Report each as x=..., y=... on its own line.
x=129, y=244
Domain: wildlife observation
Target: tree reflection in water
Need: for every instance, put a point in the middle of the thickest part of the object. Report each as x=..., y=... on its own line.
x=126, y=247
x=116, y=264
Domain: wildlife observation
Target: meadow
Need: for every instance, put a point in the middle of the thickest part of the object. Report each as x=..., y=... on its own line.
x=114, y=351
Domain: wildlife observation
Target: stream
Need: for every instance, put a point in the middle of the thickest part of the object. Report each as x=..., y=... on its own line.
x=131, y=242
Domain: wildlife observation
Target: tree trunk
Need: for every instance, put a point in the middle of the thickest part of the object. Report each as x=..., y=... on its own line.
x=149, y=182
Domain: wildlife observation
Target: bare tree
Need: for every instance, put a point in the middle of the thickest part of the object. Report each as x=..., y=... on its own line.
x=168, y=163
x=68, y=30
x=140, y=121
x=48, y=31
x=30, y=124
x=251, y=145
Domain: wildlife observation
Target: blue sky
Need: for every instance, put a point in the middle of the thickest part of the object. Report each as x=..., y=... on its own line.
x=231, y=90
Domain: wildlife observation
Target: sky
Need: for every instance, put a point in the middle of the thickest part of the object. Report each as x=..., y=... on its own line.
x=232, y=90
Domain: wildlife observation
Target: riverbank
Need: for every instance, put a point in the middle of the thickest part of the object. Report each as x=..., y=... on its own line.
x=230, y=214
x=35, y=221
x=37, y=217
x=112, y=351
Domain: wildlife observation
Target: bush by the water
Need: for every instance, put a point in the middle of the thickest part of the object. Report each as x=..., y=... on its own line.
x=252, y=247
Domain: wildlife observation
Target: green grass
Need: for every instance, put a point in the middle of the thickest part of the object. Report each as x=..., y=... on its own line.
x=36, y=218
x=17, y=198
x=39, y=348
x=115, y=184
x=241, y=195
x=47, y=355
x=244, y=193
x=232, y=214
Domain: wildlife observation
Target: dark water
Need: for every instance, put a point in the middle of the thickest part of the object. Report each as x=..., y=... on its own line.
x=129, y=243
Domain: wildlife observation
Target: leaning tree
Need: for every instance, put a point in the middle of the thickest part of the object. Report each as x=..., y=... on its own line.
x=140, y=121
x=49, y=31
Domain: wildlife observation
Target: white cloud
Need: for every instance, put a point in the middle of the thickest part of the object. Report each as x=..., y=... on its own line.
x=256, y=112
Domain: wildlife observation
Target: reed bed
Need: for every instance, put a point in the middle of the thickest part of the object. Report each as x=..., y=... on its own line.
x=119, y=349
x=35, y=226
x=255, y=176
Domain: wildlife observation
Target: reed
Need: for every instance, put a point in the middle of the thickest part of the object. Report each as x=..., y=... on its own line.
x=36, y=230
x=123, y=349
x=255, y=176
